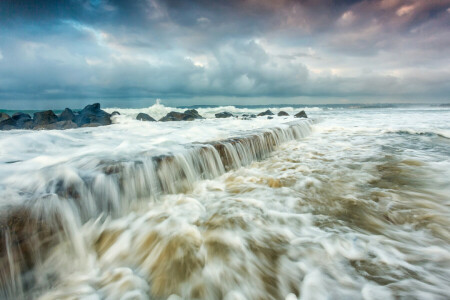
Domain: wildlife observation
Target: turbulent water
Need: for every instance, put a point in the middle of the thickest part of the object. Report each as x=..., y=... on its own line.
x=350, y=204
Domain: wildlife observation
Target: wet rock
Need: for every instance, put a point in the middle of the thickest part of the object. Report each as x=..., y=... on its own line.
x=266, y=113
x=92, y=114
x=67, y=115
x=115, y=113
x=91, y=125
x=61, y=125
x=301, y=114
x=252, y=116
x=26, y=237
x=173, y=116
x=4, y=116
x=282, y=114
x=224, y=114
x=44, y=118
x=188, y=115
x=269, y=117
x=192, y=113
x=17, y=121
x=144, y=117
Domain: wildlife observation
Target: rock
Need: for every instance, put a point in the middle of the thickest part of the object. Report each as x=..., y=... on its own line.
x=225, y=114
x=67, y=115
x=4, y=117
x=173, y=116
x=252, y=116
x=26, y=238
x=188, y=115
x=282, y=113
x=269, y=117
x=144, y=117
x=92, y=114
x=192, y=113
x=91, y=125
x=17, y=121
x=58, y=125
x=301, y=114
x=44, y=118
x=266, y=113
x=115, y=113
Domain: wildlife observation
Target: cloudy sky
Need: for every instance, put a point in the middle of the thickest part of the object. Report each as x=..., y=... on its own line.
x=236, y=52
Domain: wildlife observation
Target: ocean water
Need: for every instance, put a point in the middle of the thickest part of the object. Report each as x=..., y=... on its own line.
x=349, y=204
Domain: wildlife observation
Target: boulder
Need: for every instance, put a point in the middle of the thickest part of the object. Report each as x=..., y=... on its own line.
x=115, y=113
x=67, y=115
x=44, y=118
x=269, y=117
x=4, y=117
x=17, y=121
x=192, y=113
x=225, y=114
x=58, y=125
x=266, y=113
x=282, y=114
x=301, y=114
x=188, y=115
x=252, y=116
x=93, y=114
x=144, y=117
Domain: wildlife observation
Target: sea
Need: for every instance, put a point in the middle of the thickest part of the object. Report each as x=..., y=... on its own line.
x=351, y=203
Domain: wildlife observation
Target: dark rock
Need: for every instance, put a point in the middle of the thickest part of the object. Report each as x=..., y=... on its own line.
x=269, y=117
x=252, y=116
x=115, y=113
x=188, y=115
x=58, y=125
x=144, y=117
x=44, y=118
x=93, y=114
x=67, y=115
x=173, y=116
x=225, y=114
x=91, y=125
x=17, y=121
x=301, y=114
x=282, y=113
x=192, y=113
x=266, y=113
x=4, y=117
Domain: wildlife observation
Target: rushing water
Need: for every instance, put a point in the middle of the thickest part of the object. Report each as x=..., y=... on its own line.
x=352, y=206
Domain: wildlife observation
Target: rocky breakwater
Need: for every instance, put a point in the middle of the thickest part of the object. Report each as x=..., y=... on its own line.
x=90, y=116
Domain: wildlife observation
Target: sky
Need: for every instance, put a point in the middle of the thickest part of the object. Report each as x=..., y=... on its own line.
x=225, y=52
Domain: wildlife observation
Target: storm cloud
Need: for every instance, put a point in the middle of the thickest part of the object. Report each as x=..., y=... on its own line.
x=389, y=50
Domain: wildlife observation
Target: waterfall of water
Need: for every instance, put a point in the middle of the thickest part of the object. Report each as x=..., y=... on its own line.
x=62, y=198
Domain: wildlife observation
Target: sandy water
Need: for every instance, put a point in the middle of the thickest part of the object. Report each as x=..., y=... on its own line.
x=358, y=209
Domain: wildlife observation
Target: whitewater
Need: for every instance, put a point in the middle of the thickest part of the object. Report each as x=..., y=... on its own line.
x=347, y=204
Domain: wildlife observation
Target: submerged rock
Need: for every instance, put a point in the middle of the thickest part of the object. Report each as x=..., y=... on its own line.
x=144, y=117
x=43, y=118
x=282, y=114
x=269, y=117
x=67, y=115
x=92, y=114
x=224, y=114
x=301, y=114
x=266, y=113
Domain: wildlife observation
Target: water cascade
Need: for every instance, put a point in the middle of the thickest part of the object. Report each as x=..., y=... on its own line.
x=60, y=199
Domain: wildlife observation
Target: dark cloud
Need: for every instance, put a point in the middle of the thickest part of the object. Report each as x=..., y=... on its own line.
x=389, y=49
